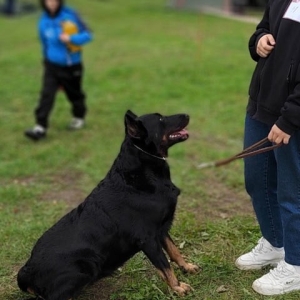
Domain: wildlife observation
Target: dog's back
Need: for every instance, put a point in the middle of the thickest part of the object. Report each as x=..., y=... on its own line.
x=129, y=211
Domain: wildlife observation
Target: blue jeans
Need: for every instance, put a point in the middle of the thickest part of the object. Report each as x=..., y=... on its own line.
x=272, y=180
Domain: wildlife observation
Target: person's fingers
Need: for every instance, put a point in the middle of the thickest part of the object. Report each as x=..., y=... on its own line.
x=271, y=40
x=286, y=140
x=262, y=53
x=268, y=48
x=270, y=136
x=278, y=140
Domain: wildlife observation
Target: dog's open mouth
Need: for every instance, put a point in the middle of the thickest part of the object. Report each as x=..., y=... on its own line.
x=179, y=135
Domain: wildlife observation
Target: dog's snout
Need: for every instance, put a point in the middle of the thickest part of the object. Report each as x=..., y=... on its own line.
x=185, y=118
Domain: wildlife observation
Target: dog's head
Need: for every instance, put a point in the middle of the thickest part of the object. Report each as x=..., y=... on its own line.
x=155, y=133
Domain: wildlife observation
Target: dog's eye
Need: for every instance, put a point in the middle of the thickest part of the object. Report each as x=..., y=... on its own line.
x=161, y=119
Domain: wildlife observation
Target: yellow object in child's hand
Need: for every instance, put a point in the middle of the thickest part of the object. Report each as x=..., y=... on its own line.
x=70, y=28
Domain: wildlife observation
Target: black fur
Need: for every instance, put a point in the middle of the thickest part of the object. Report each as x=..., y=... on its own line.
x=130, y=210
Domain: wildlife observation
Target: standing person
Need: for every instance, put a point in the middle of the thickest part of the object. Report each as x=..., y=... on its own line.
x=272, y=179
x=62, y=34
x=9, y=7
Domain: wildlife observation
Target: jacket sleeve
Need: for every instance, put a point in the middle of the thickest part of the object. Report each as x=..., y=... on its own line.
x=289, y=121
x=81, y=38
x=42, y=39
x=262, y=28
x=84, y=34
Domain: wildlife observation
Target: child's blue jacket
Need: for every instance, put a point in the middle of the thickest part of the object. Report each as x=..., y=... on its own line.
x=50, y=29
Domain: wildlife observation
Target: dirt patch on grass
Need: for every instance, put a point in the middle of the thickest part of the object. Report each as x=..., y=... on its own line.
x=102, y=289
x=218, y=201
x=224, y=202
x=65, y=187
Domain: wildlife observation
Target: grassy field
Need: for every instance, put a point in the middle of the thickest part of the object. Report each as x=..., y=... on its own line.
x=146, y=58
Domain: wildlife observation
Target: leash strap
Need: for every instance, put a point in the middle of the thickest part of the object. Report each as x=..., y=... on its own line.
x=247, y=152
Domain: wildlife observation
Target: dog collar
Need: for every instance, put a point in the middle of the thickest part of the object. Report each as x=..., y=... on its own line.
x=162, y=158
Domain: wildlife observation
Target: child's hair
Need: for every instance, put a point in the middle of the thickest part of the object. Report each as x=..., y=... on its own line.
x=43, y=5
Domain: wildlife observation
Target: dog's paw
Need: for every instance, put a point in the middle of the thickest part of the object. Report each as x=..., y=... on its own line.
x=191, y=268
x=182, y=289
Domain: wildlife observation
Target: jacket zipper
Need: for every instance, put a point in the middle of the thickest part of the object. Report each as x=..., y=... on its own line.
x=289, y=77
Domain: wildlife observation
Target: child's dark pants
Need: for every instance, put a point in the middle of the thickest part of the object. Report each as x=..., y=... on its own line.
x=68, y=78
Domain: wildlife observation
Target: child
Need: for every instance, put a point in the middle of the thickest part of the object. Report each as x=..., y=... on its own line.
x=62, y=34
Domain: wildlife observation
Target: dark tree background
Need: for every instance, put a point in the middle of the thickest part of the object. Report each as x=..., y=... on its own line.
x=257, y=3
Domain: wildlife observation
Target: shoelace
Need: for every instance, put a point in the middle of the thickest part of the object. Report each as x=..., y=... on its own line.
x=280, y=271
x=257, y=249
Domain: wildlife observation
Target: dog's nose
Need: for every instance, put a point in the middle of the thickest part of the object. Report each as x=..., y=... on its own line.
x=187, y=117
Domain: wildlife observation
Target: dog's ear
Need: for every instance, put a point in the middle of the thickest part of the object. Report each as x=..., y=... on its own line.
x=133, y=127
x=130, y=114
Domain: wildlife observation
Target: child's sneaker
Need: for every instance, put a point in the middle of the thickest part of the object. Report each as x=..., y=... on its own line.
x=36, y=133
x=261, y=255
x=76, y=123
x=281, y=280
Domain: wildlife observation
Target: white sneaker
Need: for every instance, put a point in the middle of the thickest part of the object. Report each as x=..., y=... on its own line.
x=76, y=123
x=283, y=279
x=261, y=255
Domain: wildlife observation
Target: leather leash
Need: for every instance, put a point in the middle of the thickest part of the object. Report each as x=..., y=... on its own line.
x=247, y=152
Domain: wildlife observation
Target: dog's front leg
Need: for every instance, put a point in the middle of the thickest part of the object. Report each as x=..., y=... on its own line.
x=154, y=252
x=176, y=256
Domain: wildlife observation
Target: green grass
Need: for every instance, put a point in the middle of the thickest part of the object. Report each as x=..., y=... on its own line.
x=146, y=58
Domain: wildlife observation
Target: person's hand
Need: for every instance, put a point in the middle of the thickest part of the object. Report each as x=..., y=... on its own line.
x=265, y=45
x=65, y=38
x=277, y=136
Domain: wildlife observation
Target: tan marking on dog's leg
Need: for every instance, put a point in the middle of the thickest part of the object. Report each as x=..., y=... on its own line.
x=30, y=291
x=180, y=288
x=176, y=256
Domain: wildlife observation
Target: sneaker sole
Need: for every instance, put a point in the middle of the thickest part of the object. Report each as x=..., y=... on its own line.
x=75, y=128
x=272, y=292
x=70, y=127
x=34, y=138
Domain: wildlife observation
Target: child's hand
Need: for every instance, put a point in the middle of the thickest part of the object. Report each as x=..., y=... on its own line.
x=65, y=38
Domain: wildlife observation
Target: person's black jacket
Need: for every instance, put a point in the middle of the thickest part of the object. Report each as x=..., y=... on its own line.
x=275, y=86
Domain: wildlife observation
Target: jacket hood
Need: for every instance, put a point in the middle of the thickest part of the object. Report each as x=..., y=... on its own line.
x=43, y=5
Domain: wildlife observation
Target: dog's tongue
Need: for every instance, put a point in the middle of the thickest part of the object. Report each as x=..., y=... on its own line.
x=179, y=135
x=183, y=132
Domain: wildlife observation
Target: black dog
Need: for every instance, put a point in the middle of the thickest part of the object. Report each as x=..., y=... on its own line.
x=130, y=210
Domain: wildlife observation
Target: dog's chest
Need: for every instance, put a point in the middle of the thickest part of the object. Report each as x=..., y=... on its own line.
x=166, y=196
x=152, y=182
x=170, y=189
